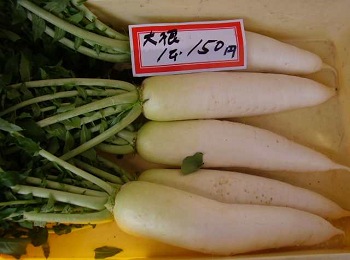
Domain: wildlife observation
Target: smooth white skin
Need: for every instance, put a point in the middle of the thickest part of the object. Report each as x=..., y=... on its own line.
x=190, y=221
x=227, y=144
x=266, y=54
x=239, y=188
x=227, y=95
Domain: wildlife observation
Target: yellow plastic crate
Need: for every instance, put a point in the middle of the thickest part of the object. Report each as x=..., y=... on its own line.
x=321, y=26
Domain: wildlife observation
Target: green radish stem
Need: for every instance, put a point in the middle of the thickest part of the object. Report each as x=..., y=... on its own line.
x=122, y=46
x=125, y=174
x=117, y=140
x=107, y=83
x=101, y=114
x=100, y=25
x=18, y=202
x=130, y=117
x=39, y=99
x=115, y=57
x=123, y=101
x=51, y=108
x=84, y=183
x=81, y=218
x=98, y=127
x=91, y=202
x=108, y=188
x=103, y=204
x=63, y=94
x=130, y=97
x=119, y=145
x=98, y=172
x=128, y=135
x=65, y=187
x=115, y=148
x=124, y=137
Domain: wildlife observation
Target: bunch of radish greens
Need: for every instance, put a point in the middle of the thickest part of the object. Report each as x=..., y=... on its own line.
x=33, y=194
x=59, y=108
x=76, y=27
x=27, y=181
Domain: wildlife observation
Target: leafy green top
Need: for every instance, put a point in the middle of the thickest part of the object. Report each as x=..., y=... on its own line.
x=29, y=54
x=75, y=26
x=26, y=53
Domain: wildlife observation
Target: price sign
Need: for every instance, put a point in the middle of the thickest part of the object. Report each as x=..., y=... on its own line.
x=187, y=47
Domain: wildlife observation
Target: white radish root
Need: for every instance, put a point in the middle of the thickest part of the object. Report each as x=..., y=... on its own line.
x=265, y=54
x=239, y=188
x=227, y=144
x=227, y=94
x=190, y=221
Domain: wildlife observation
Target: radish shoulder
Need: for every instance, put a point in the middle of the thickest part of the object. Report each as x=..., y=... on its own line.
x=239, y=188
x=194, y=222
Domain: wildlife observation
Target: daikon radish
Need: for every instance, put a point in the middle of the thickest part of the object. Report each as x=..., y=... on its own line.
x=227, y=144
x=227, y=94
x=194, y=222
x=266, y=54
x=240, y=188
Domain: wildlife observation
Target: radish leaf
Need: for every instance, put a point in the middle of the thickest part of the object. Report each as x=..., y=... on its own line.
x=8, y=127
x=106, y=251
x=14, y=246
x=38, y=236
x=192, y=163
x=57, y=6
x=38, y=27
x=59, y=34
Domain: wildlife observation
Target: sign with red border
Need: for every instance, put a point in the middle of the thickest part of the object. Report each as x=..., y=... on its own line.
x=173, y=48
